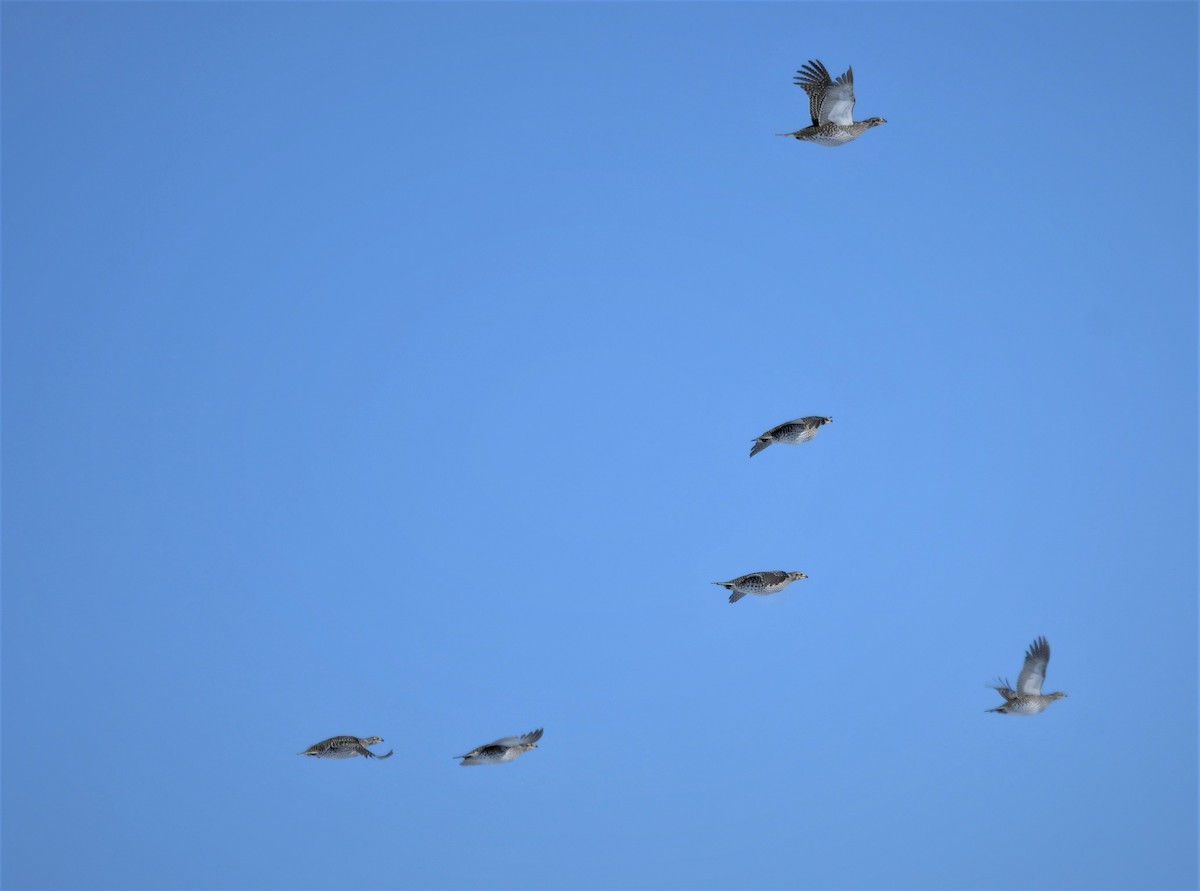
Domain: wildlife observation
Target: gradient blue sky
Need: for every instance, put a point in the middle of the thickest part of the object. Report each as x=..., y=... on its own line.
x=391, y=369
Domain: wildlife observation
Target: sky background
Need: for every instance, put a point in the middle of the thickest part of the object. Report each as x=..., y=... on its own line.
x=391, y=369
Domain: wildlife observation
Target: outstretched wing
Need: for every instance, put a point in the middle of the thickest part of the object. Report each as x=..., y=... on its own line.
x=829, y=100
x=367, y=753
x=1004, y=688
x=531, y=737
x=1034, y=671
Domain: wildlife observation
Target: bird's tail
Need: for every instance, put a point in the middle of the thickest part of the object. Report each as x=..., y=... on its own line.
x=762, y=442
x=1003, y=709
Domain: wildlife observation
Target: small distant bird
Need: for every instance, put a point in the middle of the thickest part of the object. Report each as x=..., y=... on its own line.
x=502, y=750
x=1027, y=699
x=345, y=747
x=831, y=104
x=759, y=583
x=790, y=433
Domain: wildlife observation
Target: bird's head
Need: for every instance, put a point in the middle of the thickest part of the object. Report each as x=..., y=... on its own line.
x=1058, y=695
x=796, y=576
x=875, y=122
x=372, y=740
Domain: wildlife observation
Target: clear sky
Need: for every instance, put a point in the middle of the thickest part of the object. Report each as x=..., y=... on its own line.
x=391, y=369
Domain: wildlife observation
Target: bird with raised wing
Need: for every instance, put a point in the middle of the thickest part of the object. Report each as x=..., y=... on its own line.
x=345, y=747
x=790, y=433
x=1028, y=698
x=759, y=583
x=502, y=750
x=831, y=104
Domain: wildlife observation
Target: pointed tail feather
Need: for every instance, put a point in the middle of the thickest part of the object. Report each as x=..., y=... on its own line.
x=759, y=444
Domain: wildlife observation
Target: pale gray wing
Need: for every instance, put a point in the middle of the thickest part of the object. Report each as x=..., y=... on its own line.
x=531, y=737
x=1033, y=674
x=837, y=105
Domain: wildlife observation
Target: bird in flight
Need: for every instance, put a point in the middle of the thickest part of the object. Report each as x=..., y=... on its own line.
x=1028, y=698
x=345, y=747
x=831, y=104
x=790, y=433
x=759, y=583
x=502, y=750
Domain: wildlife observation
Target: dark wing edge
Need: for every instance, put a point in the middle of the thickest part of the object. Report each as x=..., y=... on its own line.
x=813, y=77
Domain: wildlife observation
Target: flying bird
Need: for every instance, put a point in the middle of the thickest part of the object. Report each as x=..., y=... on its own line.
x=502, y=750
x=1028, y=699
x=759, y=583
x=831, y=104
x=345, y=747
x=790, y=433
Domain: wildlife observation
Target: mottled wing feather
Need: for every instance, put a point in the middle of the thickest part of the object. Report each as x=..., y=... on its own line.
x=829, y=101
x=789, y=431
x=334, y=743
x=785, y=427
x=1033, y=674
x=500, y=746
x=530, y=737
x=797, y=425
x=774, y=577
x=1004, y=688
x=813, y=78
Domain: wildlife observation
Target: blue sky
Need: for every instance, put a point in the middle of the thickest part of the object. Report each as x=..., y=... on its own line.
x=391, y=369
